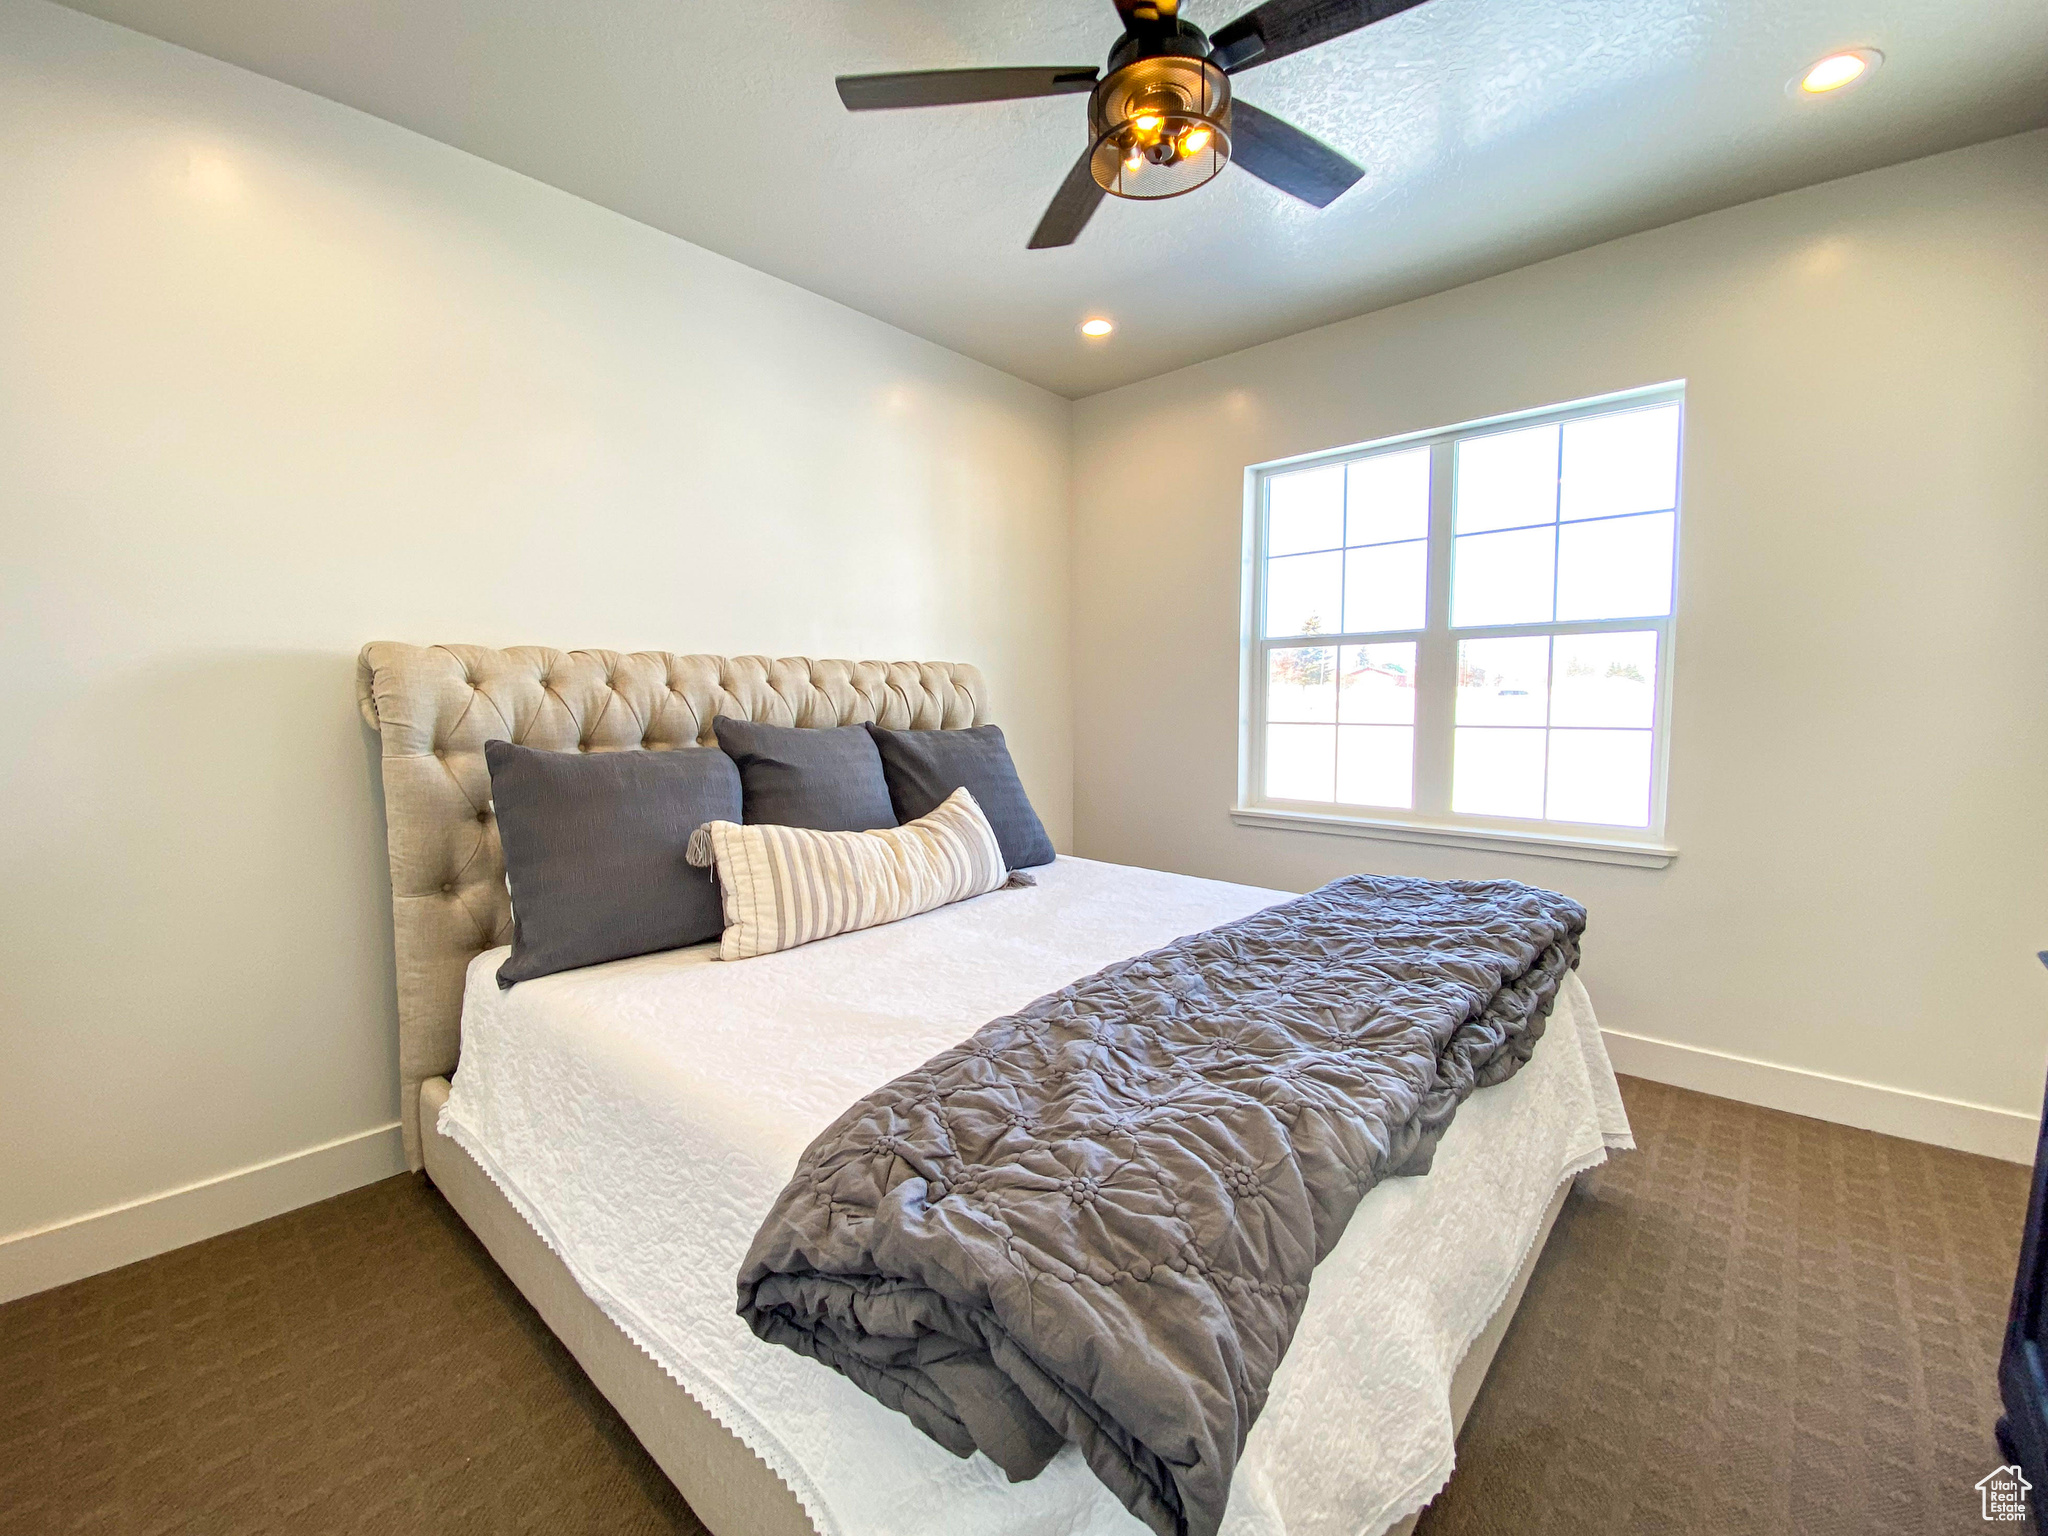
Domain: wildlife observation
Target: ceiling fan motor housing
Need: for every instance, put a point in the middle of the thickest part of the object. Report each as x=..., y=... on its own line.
x=1160, y=120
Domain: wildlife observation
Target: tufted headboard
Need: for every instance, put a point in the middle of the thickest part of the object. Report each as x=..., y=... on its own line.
x=436, y=706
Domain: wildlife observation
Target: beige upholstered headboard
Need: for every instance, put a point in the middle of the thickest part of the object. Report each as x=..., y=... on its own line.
x=436, y=706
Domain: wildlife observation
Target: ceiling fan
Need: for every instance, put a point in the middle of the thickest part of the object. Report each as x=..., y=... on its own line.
x=1162, y=121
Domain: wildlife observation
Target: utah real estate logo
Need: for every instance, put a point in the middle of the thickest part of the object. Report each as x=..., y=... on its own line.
x=2004, y=1491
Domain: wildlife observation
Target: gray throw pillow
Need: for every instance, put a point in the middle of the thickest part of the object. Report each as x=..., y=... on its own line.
x=923, y=767
x=829, y=778
x=594, y=847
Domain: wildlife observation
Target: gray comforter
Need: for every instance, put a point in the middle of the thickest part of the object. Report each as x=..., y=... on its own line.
x=1095, y=1220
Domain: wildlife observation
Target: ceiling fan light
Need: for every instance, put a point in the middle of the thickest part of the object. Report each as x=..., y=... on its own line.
x=1161, y=127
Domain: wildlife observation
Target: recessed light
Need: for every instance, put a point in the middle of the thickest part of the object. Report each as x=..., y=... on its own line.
x=1097, y=328
x=1837, y=71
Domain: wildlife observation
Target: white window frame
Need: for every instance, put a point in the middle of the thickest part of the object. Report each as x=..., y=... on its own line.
x=1432, y=820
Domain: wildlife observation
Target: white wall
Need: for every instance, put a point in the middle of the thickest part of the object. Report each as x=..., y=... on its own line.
x=1859, y=763
x=276, y=379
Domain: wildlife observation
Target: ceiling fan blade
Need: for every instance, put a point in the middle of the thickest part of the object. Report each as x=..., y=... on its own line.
x=950, y=87
x=1071, y=207
x=1282, y=156
x=1280, y=27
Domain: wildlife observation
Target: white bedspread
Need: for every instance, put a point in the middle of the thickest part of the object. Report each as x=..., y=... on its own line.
x=644, y=1114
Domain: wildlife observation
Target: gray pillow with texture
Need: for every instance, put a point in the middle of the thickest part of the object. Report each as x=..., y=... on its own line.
x=594, y=847
x=828, y=778
x=923, y=767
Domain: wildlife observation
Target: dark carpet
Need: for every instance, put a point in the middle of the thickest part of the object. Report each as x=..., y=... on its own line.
x=1756, y=1323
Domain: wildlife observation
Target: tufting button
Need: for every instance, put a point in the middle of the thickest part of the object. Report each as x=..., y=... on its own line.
x=483, y=816
x=438, y=752
x=447, y=886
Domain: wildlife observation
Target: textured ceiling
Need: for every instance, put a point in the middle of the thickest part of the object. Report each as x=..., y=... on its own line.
x=1494, y=133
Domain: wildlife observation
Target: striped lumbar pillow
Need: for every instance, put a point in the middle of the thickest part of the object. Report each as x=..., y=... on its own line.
x=785, y=886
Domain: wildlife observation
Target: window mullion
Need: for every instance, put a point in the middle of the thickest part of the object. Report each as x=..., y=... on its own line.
x=1436, y=661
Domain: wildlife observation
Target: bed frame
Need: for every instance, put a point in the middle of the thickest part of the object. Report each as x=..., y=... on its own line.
x=435, y=708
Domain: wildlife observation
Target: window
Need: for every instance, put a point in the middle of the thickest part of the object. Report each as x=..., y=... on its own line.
x=1466, y=636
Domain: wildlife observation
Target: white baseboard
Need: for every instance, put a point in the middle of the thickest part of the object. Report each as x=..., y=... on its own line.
x=2001, y=1133
x=138, y=1229
x=102, y=1240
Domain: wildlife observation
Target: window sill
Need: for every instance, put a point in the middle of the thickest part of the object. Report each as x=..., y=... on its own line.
x=1544, y=845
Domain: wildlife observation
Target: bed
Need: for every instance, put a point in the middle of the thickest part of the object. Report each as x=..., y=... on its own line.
x=614, y=1134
